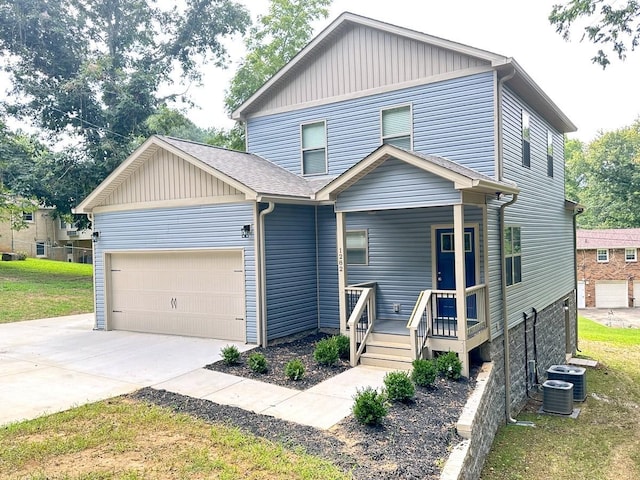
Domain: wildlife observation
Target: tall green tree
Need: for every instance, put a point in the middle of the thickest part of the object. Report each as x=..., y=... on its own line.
x=96, y=70
x=276, y=38
x=574, y=157
x=612, y=24
x=608, y=179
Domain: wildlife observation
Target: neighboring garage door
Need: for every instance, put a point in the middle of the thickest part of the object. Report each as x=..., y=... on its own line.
x=636, y=293
x=195, y=293
x=611, y=294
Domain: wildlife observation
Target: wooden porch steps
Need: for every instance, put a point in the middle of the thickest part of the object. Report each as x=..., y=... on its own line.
x=387, y=350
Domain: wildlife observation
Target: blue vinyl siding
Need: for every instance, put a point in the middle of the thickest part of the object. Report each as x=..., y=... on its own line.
x=396, y=184
x=452, y=118
x=290, y=243
x=328, y=296
x=210, y=226
x=546, y=226
x=400, y=253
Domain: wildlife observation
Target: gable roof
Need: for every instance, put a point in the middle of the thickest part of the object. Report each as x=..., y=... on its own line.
x=521, y=82
x=250, y=174
x=608, y=238
x=462, y=177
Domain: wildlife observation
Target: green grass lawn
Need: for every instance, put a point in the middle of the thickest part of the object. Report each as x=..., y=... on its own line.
x=37, y=288
x=603, y=442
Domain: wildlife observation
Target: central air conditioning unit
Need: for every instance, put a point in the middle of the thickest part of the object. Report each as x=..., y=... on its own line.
x=557, y=397
x=571, y=374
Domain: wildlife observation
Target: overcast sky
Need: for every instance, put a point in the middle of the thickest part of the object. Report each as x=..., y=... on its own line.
x=592, y=98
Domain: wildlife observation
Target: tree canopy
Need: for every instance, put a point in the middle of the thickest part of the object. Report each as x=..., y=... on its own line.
x=614, y=24
x=97, y=70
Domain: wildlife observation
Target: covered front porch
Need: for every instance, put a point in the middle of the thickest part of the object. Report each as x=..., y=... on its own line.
x=413, y=254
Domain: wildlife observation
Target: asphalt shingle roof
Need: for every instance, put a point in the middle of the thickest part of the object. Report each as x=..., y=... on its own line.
x=608, y=238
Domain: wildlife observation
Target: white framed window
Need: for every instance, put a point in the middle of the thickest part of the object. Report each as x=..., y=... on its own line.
x=630, y=254
x=396, y=126
x=512, y=255
x=526, y=139
x=41, y=249
x=602, y=255
x=27, y=217
x=549, y=153
x=314, y=148
x=357, y=247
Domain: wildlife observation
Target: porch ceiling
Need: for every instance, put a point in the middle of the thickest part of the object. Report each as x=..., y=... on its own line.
x=463, y=178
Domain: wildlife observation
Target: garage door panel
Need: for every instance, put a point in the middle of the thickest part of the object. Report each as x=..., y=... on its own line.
x=611, y=294
x=183, y=293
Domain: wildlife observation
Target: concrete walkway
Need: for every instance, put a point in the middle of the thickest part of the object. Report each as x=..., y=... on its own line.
x=54, y=364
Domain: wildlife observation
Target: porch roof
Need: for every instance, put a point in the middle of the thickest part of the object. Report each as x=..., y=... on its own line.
x=463, y=178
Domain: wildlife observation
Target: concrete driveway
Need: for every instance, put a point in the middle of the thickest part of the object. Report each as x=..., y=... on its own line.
x=54, y=364
x=614, y=317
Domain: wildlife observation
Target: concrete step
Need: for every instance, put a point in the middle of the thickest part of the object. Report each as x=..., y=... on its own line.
x=390, y=348
x=386, y=361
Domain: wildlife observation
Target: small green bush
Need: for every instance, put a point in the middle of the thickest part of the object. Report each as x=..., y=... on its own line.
x=424, y=372
x=449, y=365
x=369, y=406
x=22, y=255
x=344, y=344
x=326, y=352
x=294, y=369
x=257, y=363
x=230, y=354
x=399, y=387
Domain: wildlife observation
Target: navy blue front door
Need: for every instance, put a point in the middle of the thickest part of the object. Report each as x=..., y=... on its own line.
x=446, y=270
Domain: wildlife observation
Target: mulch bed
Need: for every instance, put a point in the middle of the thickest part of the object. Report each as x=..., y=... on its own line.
x=413, y=441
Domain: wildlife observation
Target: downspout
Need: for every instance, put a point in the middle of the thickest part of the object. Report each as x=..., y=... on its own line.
x=93, y=255
x=263, y=276
x=503, y=281
x=575, y=266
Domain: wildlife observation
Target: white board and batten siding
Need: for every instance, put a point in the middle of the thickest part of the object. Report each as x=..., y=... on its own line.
x=612, y=294
x=363, y=59
x=179, y=238
x=452, y=118
x=547, y=240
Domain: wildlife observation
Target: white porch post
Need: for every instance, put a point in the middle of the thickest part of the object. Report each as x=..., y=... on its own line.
x=461, y=285
x=342, y=269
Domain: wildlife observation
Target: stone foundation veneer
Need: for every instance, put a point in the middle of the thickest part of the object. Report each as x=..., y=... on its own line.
x=484, y=411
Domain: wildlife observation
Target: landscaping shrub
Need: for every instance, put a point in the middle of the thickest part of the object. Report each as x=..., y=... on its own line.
x=294, y=369
x=257, y=363
x=424, y=372
x=326, y=352
x=230, y=354
x=369, y=406
x=399, y=387
x=343, y=343
x=449, y=365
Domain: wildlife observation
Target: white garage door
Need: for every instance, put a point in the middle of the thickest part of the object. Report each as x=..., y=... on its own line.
x=636, y=293
x=611, y=294
x=198, y=293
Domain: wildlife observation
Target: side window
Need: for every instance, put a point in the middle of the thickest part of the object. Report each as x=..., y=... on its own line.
x=27, y=216
x=512, y=255
x=631, y=254
x=357, y=247
x=526, y=140
x=396, y=126
x=602, y=255
x=549, y=153
x=314, y=148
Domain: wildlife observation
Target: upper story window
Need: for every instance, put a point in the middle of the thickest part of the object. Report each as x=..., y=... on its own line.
x=357, y=247
x=631, y=254
x=396, y=126
x=602, y=255
x=314, y=148
x=549, y=153
x=512, y=255
x=526, y=140
x=27, y=216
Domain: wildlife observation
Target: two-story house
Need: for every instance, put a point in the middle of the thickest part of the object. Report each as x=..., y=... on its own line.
x=402, y=188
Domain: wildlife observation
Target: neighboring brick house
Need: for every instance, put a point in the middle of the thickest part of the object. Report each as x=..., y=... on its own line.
x=607, y=262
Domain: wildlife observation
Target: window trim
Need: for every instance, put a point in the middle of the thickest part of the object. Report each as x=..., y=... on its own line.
x=635, y=255
x=366, y=246
x=512, y=256
x=303, y=149
x=605, y=257
x=394, y=107
x=42, y=244
x=28, y=217
x=549, y=153
x=526, y=142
